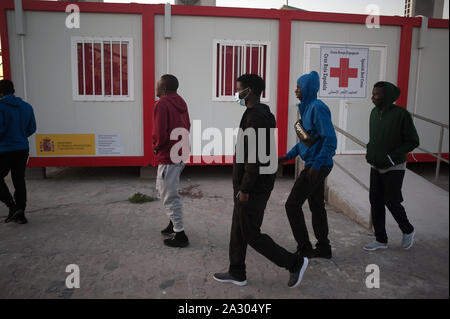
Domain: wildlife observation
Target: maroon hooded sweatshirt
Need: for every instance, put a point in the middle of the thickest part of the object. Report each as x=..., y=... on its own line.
x=170, y=112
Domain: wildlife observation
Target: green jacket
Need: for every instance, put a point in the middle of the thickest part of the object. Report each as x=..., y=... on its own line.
x=391, y=132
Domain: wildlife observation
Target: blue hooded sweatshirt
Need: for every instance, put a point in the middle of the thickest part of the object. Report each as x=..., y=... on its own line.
x=17, y=123
x=316, y=120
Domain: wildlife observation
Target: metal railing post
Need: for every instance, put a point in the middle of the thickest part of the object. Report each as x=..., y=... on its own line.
x=438, y=162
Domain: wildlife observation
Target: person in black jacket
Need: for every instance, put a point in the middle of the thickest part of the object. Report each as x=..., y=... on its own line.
x=252, y=185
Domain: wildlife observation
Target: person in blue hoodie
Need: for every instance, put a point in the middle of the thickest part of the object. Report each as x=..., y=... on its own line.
x=316, y=148
x=17, y=123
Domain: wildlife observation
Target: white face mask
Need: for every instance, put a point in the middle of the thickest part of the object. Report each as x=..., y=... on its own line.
x=239, y=100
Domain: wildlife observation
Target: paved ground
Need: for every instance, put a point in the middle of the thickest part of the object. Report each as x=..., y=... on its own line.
x=82, y=216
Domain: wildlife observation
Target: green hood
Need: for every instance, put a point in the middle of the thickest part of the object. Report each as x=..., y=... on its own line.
x=390, y=91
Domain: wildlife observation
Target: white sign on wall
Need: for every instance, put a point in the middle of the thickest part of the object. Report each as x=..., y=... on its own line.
x=343, y=72
x=109, y=144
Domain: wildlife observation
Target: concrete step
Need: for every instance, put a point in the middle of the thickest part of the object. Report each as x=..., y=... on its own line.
x=426, y=204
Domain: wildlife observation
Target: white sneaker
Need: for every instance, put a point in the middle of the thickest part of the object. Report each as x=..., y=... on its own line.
x=375, y=245
x=408, y=240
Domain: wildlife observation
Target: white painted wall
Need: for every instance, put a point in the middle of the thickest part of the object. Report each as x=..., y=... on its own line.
x=191, y=61
x=49, y=77
x=350, y=34
x=433, y=95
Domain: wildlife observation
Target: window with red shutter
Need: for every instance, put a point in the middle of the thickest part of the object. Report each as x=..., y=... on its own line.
x=102, y=69
x=234, y=58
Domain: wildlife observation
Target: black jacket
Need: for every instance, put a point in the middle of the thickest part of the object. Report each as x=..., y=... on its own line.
x=246, y=175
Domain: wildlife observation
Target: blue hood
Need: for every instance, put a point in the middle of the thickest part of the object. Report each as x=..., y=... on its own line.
x=12, y=100
x=17, y=123
x=309, y=85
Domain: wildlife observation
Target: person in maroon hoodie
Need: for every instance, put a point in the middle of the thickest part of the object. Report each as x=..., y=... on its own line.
x=171, y=116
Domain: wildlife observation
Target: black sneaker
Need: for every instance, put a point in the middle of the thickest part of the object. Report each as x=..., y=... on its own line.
x=19, y=217
x=10, y=215
x=168, y=231
x=295, y=278
x=322, y=253
x=179, y=240
x=226, y=277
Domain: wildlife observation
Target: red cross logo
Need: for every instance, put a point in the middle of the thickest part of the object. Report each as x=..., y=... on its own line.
x=343, y=72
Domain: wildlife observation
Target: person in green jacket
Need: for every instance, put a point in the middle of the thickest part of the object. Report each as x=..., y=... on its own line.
x=392, y=136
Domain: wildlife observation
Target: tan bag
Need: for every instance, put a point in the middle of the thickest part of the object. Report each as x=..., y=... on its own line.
x=304, y=137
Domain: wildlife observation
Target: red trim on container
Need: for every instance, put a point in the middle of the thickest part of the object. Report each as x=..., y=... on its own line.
x=284, y=57
x=425, y=157
x=148, y=81
x=404, y=61
x=211, y=160
x=87, y=161
x=438, y=23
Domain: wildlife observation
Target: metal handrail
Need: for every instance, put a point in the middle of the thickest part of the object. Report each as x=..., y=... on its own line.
x=441, y=137
x=429, y=120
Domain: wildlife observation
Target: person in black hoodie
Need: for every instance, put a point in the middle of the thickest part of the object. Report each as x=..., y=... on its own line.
x=252, y=186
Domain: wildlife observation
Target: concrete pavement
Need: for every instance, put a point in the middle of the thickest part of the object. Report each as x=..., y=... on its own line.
x=82, y=216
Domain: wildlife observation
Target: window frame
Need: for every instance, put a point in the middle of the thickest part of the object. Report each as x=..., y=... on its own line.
x=239, y=43
x=130, y=68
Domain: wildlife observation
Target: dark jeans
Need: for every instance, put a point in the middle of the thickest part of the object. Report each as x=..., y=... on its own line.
x=245, y=230
x=16, y=162
x=386, y=190
x=313, y=191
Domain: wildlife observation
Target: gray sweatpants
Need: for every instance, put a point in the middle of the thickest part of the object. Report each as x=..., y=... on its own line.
x=167, y=183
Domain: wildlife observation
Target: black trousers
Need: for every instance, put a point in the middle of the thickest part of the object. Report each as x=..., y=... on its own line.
x=386, y=191
x=14, y=162
x=246, y=230
x=313, y=191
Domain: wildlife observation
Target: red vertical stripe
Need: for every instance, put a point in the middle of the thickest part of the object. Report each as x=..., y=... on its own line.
x=88, y=68
x=404, y=62
x=236, y=62
x=264, y=65
x=107, y=68
x=80, y=68
x=124, y=69
x=247, y=56
x=222, y=73
x=116, y=68
x=98, y=69
x=218, y=70
x=255, y=60
x=284, y=58
x=229, y=71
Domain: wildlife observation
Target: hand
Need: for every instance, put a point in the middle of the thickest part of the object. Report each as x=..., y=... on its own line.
x=312, y=174
x=243, y=197
x=281, y=160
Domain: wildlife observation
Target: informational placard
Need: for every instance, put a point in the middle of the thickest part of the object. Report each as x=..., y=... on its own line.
x=109, y=145
x=343, y=71
x=65, y=144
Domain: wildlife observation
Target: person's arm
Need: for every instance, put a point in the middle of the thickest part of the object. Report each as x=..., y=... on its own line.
x=251, y=170
x=292, y=153
x=325, y=129
x=2, y=124
x=160, y=124
x=409, y=136
x=31, y=126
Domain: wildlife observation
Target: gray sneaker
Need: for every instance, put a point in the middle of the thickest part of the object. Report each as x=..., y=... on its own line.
x=296, y=277
x=375, y=245
x=408, y=240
